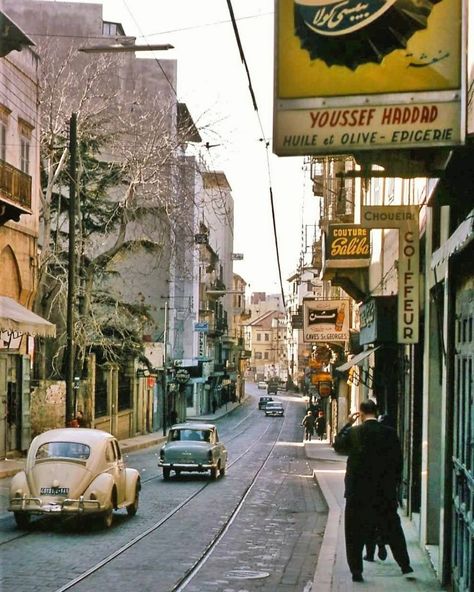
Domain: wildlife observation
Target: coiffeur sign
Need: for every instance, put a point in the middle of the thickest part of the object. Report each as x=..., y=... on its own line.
x=347, y=245
x=405, y=218
x=354, y=75
x=325, y=320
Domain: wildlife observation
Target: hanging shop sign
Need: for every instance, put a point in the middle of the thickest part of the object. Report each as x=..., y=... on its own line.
x=378, y=74
x=324, y=389
x=182, y=376
x=347, y=246
x=201, y=326
x=405, y=218
x=378, y=320
x=325, y=320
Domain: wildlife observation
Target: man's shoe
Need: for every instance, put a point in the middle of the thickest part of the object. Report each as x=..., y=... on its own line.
x=368, y=558
x=357, y=577
x=382, y=552
x=407, y=570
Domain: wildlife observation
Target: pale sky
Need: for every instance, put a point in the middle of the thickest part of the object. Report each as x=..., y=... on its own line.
x=213, y=83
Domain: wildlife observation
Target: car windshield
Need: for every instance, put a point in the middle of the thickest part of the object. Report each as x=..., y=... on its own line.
x=274, y=405
x=190, y=435
x=74, y=450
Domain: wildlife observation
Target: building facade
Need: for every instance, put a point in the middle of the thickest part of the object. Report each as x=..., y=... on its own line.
x=19, y=227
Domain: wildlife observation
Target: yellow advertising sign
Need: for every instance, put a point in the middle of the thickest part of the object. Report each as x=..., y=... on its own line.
x=368, y=75
x=330, y=48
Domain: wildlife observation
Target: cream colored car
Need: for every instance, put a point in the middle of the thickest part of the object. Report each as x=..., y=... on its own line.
x=74, y=472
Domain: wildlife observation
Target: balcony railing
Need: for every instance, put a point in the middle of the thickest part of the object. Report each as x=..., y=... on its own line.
x=15, y=186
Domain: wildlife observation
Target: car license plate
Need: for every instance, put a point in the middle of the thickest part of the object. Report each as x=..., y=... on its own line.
x=52, y=508
x=54, y=490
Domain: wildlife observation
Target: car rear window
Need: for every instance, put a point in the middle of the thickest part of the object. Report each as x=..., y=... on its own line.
x=190, y=435
x=74, y=450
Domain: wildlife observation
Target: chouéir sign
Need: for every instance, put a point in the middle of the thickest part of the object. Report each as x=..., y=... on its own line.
x=405, y=218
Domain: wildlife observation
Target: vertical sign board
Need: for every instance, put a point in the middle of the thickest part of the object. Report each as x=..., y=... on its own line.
x=377, y=74
x=405, y=218
x=325, y=320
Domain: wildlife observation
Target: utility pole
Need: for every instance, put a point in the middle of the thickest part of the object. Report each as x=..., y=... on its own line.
x=71, y=283
x=165, y=368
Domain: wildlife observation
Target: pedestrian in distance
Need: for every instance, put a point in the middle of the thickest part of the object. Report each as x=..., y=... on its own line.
x=373, y=474
x=321, y=425
x=308, y=424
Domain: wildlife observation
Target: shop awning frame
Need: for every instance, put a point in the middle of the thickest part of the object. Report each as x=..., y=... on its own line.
x=357, y=359
x=15, y=317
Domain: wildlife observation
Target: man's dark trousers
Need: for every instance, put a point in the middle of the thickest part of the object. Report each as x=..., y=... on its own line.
x=359, y=527
x=391, y=531
x=362, y=519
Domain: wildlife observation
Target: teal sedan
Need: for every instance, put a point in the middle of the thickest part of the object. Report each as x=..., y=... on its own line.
x=193, y=447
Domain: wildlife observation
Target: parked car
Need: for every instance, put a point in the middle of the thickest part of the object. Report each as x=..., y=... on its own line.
x=274, y=408
x=74, y=472
x=262, y=402
x=261, y=384
x=193, y=447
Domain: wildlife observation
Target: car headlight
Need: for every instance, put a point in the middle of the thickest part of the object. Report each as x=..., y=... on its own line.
x=209, y=455
x=162, y=454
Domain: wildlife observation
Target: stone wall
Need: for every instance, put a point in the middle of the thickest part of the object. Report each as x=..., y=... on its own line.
x=48, y=406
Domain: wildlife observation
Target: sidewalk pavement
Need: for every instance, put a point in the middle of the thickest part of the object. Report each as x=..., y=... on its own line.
x=332, y=573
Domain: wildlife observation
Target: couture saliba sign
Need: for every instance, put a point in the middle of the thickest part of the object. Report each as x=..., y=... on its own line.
x=347, y=246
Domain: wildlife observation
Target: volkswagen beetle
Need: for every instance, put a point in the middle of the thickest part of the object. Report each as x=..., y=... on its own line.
x=193, y=447
x=74, y=472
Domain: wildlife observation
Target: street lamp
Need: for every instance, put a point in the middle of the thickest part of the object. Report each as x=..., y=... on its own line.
x=124, y=48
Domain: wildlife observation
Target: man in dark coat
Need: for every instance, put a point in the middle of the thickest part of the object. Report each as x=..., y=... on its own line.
x=320, y=425
x=308, y=424
x=373, y=473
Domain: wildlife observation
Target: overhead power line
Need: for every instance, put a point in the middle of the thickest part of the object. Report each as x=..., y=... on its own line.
x=266, y=142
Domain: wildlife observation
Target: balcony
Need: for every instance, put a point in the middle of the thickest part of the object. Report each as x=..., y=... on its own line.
x=15, y=193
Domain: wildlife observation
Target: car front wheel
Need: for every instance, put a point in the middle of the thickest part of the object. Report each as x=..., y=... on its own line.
x=223, y=468
x=166, y=472
x=23, y=520
x=214, y=471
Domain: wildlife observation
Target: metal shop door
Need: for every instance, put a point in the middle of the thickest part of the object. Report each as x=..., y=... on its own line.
x=462, y=557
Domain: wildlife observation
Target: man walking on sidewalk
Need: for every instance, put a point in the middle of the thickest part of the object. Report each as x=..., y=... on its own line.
x=373, y=473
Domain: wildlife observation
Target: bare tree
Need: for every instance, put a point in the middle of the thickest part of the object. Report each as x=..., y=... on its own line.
x=128, y=157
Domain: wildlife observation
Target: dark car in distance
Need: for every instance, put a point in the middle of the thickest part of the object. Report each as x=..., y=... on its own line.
x=262, y=403
x=272, y=388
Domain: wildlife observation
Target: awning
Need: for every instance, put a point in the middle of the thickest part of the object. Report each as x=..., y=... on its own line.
x=458, y=241
x=15, y=317
x=357, y=359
